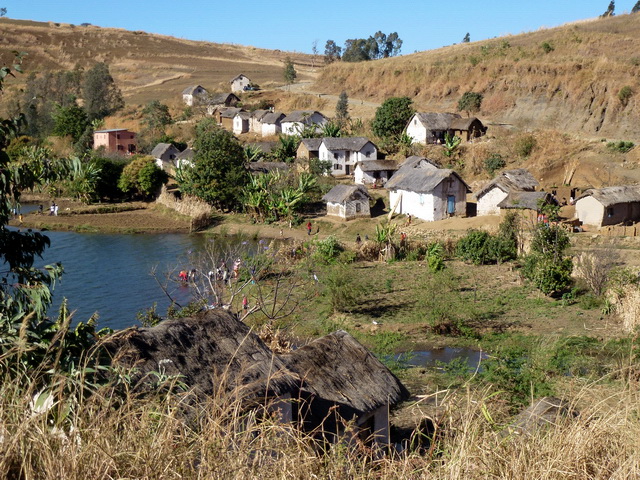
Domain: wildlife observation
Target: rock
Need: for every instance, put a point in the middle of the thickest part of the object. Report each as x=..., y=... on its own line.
x=542, y=412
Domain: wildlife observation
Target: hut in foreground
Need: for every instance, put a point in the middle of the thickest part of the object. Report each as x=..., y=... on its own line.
x=348, y=202
x=341, y=381
x=609, y=206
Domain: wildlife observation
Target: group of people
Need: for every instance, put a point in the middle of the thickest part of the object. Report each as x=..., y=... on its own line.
x=53, y=209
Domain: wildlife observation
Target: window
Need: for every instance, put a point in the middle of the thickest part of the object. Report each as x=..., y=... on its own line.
x=358, y=207
x=337, y=166
x=421, y=199
x=118, y=136
x=335, y=156
x=610, y=212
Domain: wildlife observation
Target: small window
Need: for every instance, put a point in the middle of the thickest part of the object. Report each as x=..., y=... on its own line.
x=335, y=156
x=337, y=166
x=610, y=212
x=358, y=207
x=421, y=199
x=415, y=122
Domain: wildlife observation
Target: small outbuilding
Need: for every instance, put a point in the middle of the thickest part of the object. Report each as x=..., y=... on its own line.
x=495, y=191
x=348, y=202
x=185, y=158
x=467, y=129
x=272, y=123
x=295, y=122
x=239, y=83
x=421, y=189
x=309, y=148
x=241, y=122
x=341, y=382
x=609, y=205
x=374, y=172
x=165, y=155
x=194, y=95
x=529, y=203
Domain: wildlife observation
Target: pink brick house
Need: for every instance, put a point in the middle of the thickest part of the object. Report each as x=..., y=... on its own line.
x=119, y=140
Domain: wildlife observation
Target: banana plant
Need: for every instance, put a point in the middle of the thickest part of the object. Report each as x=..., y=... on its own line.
x=451, y=143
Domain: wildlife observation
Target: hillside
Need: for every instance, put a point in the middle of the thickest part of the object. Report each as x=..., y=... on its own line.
x=566, y=78
x=145, y=66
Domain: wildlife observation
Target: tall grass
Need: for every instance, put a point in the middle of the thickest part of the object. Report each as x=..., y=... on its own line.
x=109, y=435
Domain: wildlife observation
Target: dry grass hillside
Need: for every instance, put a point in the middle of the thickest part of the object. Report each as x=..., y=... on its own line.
x=145, y=66
x=566, y=78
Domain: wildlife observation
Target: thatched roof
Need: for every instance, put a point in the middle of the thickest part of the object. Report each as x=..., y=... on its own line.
x=186, y=154
x=312, y=144
x=244, y=115
x=259, y=114
x=525, y=200
x=230, y=112
x=420, y=177
x=436, y=121
x=212, y=351
x=223, y=98
x=516, y=180
x=273, y=117
x=464, y=124
x=238, y=77
x=266, y=167
x=300, y=116
x=160, y=149
x=342, y=193
x=266, y=147
x=351, y=144
x=191, y=90
x=613, y=195
x=413, y=159
x=377, y=165
x=338, y=369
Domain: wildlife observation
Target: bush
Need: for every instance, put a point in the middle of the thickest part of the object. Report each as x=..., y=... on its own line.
x=547, y=47
x=327, y=250
x=546, y=265
x=525, y=145
x=494, y=163
x=141, y=177
x=625, y=94
x=621, y=146
x=343, y=287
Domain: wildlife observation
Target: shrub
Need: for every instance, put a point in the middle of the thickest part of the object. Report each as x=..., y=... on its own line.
x=493, y=163
x=327, y=250
x=474, y=247
x=547, y=47
x=141, y=177
x=625, y=94
x=525, y=145
x=546, y=265
x=343, y=288
x=621, y=146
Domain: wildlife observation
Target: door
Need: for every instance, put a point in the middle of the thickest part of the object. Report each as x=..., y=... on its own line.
x=451, y=204
x=347, y=169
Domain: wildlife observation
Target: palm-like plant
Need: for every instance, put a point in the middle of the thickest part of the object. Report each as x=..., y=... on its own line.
x=83, y=179
x=451, y=143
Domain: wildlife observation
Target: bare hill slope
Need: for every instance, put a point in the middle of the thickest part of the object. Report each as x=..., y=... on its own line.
x=566, y=78
x=145, y=66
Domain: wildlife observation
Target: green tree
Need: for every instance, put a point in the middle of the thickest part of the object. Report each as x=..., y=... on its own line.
x=467, y=38
x=3, y=11
x=636, y=7
x=289, y=72
x=142, y=177
x=342, y=108
x=493, y=163
x=547, y=266
x=110, y=173
x=70, y=121
x=392, y=117
x=470, y=102
x=156, y=116
x=219, y=174
x=101, y=95
x=332, y=52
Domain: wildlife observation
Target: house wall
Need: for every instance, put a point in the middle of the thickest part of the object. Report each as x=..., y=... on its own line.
x=368, y=178
x=339, y=159
x=120, y=142
x=195, y=97
x=380, y=425
x=269, y=129
x=590, y=211
x=240, y=125
x=291, y=128
x=430, y=206
x=488, y=203
x=227, y=123
x=441, y=194
x=348, y=210
x=417, y=131
x=304, y=152
x=238, y=84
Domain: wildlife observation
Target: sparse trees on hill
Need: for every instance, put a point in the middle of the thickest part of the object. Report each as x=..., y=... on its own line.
x=156, y=116
x=342, y=108
x=636, y=7
x=101, y=95
x=332, y=52
x=379, y=45
x=470, y=102
x=289, y=72
x=3, y=11
x=392, y=117
x=467, y=38
x=610, y=10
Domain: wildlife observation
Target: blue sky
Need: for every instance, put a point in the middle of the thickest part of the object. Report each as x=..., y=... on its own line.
x=294, y=25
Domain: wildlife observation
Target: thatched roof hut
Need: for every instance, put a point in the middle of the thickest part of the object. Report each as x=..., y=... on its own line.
x=495, y=191
x=339, y=369
x=609, y=206
x=526, y=200
x=348, y=201
x=213, y=352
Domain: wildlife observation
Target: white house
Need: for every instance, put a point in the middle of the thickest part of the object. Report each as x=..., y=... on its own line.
x=429, y=127
x=348, y=202
x=272, y=123
x=420, y=189
x=241, y=121
x=376, y=172
x=255, y=122
x=609, y=206
x=194, y=95
x=239, y=83
x=165, y=155
x=494, y=192
x=296, y=121
x=344, y=152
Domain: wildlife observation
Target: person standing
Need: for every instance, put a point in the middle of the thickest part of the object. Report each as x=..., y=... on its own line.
x=245, y=303
x=309, y=228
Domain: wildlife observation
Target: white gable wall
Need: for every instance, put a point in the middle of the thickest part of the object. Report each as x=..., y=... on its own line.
x=417, y=131
x=488, y=203
x=590, y=211
x=269, y=129
x=240, y=125
x=430, y=206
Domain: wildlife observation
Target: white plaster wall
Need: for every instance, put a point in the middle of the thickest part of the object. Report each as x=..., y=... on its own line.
x=188, y=99
x=291, y=128
x=590, y=211
x=415, y=204
x=488, y=203
x=239, y=125
x=417, y=131
x=269, y=129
